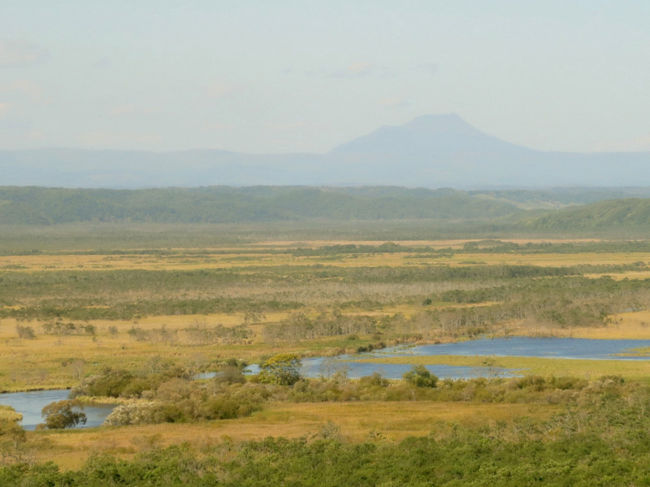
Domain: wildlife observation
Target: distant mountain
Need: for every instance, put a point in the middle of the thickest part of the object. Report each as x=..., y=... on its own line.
x=427, y=136
x=447, y=150
x=431, y=151
x=626, y=214
x=430, y=148
x=45, y=206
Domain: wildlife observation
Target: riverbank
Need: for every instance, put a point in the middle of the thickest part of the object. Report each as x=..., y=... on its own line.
x=588, y=369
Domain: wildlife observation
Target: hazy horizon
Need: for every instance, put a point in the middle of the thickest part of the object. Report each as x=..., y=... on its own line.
x=290, y=152
x=280, y=77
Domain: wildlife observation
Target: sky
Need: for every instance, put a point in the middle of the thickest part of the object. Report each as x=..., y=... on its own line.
x=304, y=76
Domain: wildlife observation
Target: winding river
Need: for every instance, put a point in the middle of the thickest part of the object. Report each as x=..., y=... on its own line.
x=29, y=404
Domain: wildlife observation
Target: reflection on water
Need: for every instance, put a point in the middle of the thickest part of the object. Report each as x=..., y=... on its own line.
x=29, y=404
x=328, y=366
x=570, y=348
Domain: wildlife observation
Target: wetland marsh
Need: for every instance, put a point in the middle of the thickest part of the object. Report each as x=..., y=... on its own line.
x=176, y=335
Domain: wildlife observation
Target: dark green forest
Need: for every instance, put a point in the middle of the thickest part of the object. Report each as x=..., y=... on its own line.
x=603, y=215
x=229, y=205
x=505, y=211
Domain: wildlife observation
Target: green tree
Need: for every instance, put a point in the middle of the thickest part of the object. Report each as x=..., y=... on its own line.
x=63, y=414
x=283, y=369
x=419, y=376
x=12, y=435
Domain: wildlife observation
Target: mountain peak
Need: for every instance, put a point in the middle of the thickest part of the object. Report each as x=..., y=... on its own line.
x=427, y=134
x=448, y=122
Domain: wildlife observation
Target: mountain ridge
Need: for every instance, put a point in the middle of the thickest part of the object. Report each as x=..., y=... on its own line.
x=430, y=151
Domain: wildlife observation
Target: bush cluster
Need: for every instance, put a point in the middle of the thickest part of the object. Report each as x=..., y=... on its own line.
x=604, y=444
x=69, y=328
x=112, y=382
x=182, y=401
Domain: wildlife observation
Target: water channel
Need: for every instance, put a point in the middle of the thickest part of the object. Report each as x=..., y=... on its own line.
x=29, y=404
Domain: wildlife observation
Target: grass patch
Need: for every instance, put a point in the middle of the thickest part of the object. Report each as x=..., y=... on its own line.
x=588, y=369
x=390, y=420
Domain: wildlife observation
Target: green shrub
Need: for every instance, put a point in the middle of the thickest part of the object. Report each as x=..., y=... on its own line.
x=230, y=375
x=282, y=369
x=25, y=332
x=419, y=376
x=374, y=380
x=110, y=383
x=139, y=412
x=63, y=414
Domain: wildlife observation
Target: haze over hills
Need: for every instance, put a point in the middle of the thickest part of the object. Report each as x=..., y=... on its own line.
x=629, y=213
x=509, y=210
x=431, y=151
x=45, y=206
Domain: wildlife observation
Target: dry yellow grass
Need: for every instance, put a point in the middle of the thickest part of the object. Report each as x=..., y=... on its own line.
x=53, y=361
x=623, y=326
x=357, y=421
x=60, y=361
x=619, y=276
x=587, y=369
x=7, y=413
x=260, y=256
x=172, y=322
x=552, y=259
x=442, y=244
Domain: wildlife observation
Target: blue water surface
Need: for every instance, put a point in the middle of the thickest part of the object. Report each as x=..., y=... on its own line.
x=29, y=404
x=570, y=348
x=315, y=367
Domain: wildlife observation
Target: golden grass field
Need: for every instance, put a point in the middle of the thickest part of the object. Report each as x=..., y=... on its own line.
x=8, y=414
x=55, y=361
x=357, y=421
x=256, y=256
x=436, y=244
x=634, y=325
x=52, y=361
x=587, y=369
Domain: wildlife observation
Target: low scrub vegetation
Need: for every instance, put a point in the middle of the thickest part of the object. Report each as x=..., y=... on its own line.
x=602, y=443
x=164, y=334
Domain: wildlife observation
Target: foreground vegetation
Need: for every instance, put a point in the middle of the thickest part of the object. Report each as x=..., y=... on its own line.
x=598, y=436
x=129, y=319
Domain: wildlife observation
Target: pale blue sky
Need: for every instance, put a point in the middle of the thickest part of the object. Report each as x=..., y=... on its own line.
x=290, y=76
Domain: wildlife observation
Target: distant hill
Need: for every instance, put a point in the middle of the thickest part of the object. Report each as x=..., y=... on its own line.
x=431, y=151
x=561, y=197
x=500, y=211
x=625, y=214
x=32, y=205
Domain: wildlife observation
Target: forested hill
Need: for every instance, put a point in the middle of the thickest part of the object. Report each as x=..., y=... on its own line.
x=35, y=205
x=221, y=204
x=624, y=214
